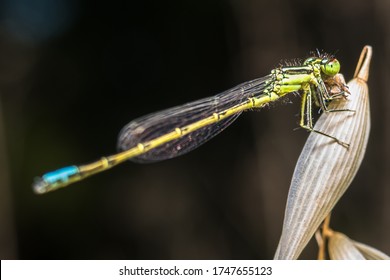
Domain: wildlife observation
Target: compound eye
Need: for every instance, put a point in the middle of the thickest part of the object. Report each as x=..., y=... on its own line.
x=330, y=67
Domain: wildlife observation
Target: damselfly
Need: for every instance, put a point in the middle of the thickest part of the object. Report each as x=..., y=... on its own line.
x=178, y=130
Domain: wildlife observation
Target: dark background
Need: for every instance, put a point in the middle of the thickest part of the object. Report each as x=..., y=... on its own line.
x=73, y=73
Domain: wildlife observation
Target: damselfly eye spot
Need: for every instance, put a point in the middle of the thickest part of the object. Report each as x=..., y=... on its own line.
x=310, y=60
x=330, y=67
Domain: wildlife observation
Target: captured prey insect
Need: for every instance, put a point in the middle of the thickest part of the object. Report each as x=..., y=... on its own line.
x=178, y=130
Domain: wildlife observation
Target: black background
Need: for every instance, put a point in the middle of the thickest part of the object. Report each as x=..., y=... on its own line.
x=73, y=73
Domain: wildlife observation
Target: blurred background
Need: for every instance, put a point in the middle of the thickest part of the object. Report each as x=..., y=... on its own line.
x=73, y=73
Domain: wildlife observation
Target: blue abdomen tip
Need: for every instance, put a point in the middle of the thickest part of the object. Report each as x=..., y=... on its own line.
x=62, y=174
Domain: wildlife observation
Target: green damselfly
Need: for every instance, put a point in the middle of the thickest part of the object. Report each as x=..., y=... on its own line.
x=178, y=130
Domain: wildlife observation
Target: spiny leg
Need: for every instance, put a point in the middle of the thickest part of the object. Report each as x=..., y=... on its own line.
x=306, y=112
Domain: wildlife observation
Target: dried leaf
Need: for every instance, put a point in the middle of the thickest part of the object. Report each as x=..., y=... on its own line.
x=370, y=253
x=340, y=247
x=325, y=168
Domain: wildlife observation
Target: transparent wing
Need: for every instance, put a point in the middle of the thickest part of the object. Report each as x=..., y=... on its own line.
x=157, y=124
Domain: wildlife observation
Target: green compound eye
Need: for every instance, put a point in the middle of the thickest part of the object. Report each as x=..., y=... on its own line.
x=330, y=67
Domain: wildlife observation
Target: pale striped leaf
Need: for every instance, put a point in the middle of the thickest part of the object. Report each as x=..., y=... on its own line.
x=370, y=253
x=325, y=169
x=340, y=247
